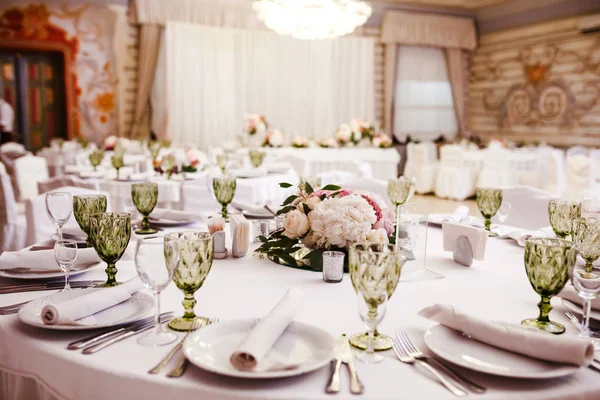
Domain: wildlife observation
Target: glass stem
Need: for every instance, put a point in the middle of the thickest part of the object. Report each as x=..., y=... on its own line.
x=145, y=222
x=188, y=305
x=545, y=308
x=157, y=326
x=67, y=284
x=589, y=267
x=224, y=212
x=59, y=231
x=585, y=321
x=488, y=224
x=370, y=346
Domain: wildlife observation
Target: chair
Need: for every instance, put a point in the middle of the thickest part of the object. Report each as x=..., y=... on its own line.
x=39, y=225
x=454, y=180
x=529, y=207
x=336, y=177
x=410, y=168
x=60, y=181
x=12, y=223
x=496, y=171
x=580, y=177
x=426, y=168
x=29, y=170
x=376, y=186
x=595, y=156
x=578, y=150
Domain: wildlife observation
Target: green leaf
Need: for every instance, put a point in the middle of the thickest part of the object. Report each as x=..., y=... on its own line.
x=306, y=208
x=323, y=197
x=263, y=239
x=309, y=189
x=331, y=187
x=289, y=200
x=285, y=210
x=285, y=185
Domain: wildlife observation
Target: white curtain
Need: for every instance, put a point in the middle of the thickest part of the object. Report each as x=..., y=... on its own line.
x=423, y=105
x=215, y=75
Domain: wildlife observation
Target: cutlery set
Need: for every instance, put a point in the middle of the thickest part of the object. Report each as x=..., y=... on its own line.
x=343, y=355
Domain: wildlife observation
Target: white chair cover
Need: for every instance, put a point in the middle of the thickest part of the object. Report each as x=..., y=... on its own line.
x=454, y=179
x=410, y=168
x=61, y=181
x=577, y=150
x=29, y=170
x=496, y=171
x=12, y=223
x=579, y=177
x=336, y=177
x=12, y=147
x=426, y=167
x=595, y=156
x=39, y=225
x=529, y=207
x=376, y=186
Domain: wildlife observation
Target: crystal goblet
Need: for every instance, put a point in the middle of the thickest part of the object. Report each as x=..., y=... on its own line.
x=224, y=190
x=586, y=239
x=547, y=264
x=65, y=254
x=373, y=266
x=59, y=206
x=561, y=214
x=488, y=202
x=401, y=190
x=96, y=158
x=145, y=197
x=195, y=251
x=117, y=162
x=256, y=157
x=110, y=234
x=86, y=205
x=587, y=284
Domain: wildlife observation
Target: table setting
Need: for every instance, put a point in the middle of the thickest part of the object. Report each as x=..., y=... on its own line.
x=313, y=304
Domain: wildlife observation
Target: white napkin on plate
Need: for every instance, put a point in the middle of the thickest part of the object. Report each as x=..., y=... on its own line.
x=241, y=205
x=569, y=293
x=73, y=312
x=544, y=346
x=255, y=346
x=43, y=260
x=476, y=236
x=521, y=236
x=175, y=215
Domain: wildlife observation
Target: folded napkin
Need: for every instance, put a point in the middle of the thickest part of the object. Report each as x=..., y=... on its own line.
x=460, y=213
x=240, y=235
x=43, y=259
x=569, y=293
x=521, y=236
x=92, y=174
x=175, y=215
x=476, y=236
x=81, y=310
x=257, y=343
x=541, y=345
x=137, y=176
x=241, y=205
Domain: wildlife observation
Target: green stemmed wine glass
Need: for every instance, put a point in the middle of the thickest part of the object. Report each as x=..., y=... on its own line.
x=256, y=157
x=586, y=239
x=168, y=164
x=371, y=265
x=195, y=250
x=96, y=158
x=401, y=190
x=86, y=205
x=488, y=201
x=547, y=263
x=110, y=233
x=561, y=214
x=313, y=181
x=117, y=162
x=224, y=190
x=144, y=197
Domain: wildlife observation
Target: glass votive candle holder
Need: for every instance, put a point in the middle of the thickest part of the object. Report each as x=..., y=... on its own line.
x=333, y=266
x=279, y=221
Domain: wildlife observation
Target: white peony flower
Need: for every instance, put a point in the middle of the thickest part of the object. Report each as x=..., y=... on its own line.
x=275, y=138
x=343, y=133
x=296, y=224
x=312, y=202
x=377, y=236
x=340, y=222
x=300, y=141
x=110, y=142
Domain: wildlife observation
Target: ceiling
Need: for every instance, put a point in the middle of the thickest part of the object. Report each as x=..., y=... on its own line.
x=462, y=4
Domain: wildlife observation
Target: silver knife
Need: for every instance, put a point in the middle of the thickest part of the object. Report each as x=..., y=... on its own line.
x=336, y=364
x=114, y=339
x=91, y=340
x=356, y=387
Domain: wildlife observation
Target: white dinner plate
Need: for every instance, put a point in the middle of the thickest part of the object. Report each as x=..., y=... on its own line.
x=254, y=214
x=34, y=274
x=249, y=172
x=81, y=240
x=459, y=349
x=576, y=308
x=130, y=310
x=278, y=167
x=168, y=223
x=211, y=347
x=438, y=219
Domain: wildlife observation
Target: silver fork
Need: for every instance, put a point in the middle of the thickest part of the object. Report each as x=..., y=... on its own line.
x=577, y=324
x=403, y=356
x=183, y=363
x=12, y=308
x=416, y=353
x=165, y=361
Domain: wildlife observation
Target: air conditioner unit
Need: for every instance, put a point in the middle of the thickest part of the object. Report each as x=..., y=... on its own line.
x=589, y=24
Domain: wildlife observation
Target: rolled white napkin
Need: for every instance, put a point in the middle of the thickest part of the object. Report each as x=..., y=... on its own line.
x=43, y=260
x=569, y=293
x=460, y=213
x=255, y=346
x=476, y=236
x=560, y=349
x=74, y=312
x=175, y=215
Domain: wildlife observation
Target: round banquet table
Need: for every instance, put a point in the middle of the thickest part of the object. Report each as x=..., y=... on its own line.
x=35, y=363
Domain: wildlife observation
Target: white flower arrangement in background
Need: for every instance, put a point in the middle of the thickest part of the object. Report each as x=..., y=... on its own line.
x=381, y=140
x=110, y=142
x=300, y=142
x=274, y=138
x=255, y=124
x=328, y=143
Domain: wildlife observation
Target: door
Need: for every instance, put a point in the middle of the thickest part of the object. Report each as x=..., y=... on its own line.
x=34, y=85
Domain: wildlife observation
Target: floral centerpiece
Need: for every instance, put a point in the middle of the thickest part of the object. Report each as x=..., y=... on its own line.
x=110, y=142
x=328, y=143
x=381, y=140
x=331, y=218
x=255, y=123
x=361, y=130
x=300, y=142
x=192, y=162
x=273, y=138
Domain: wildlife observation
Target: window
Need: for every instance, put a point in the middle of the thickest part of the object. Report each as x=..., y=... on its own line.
x=423, y=106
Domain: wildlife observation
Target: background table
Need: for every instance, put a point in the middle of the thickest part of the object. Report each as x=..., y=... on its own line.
x=497, y=289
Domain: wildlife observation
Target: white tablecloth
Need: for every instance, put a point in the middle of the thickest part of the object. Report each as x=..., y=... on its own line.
x=384, y=162
x=497, y=289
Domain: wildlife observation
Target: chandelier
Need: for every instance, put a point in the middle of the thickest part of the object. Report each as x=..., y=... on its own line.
x=312, y=19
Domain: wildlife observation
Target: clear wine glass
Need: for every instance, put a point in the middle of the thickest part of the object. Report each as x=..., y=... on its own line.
x=587, y=285
x=156, y=262
x=59, y=206
x=503, y=213
x=65, y=254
